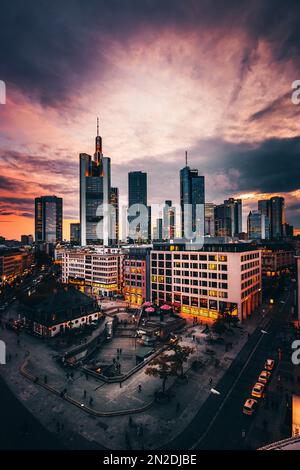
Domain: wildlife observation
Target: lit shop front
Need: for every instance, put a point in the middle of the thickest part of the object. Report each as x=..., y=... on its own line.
x=211, y=311
x=94, y=288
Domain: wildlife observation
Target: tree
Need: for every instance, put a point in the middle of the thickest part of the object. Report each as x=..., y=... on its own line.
x=162, y=367
x=181, y=355
x=219, y=326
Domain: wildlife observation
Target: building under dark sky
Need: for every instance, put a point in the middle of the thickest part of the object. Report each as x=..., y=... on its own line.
x=137, y=194
x=192, y=192
x=48, y=219
x=95, y=191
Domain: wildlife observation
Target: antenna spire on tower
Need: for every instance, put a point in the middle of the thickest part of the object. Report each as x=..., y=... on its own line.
x=186, y=160
x=97, y=126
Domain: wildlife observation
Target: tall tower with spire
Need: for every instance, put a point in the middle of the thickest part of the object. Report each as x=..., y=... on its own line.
x=95, y=196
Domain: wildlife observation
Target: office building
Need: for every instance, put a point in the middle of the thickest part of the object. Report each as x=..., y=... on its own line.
x=136, y=275
x=216, y=280
x=274, y=209
x=159, y=230
x=169, y=213
x=235, y=208
x=137, y=197
x=95, y=196
x=48, y=219
x=277, y=258
x=75, y=233
x=228, y=218
x=222, y=217
x=277, y=217
x=115, y=225
x=258, y=226
x=95, y=270
x=192, y=199
x=27, y=239
x=13, y=263
x=209, y=215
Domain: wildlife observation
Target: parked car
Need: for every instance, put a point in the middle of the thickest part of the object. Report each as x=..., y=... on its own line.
x=269, y=364
x=249, y=406
x=258, y=390
x=264, y=377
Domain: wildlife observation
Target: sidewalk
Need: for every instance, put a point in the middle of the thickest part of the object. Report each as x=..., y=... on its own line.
x=160, y=422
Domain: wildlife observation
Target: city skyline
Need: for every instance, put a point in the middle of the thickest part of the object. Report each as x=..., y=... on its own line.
x=238, y=122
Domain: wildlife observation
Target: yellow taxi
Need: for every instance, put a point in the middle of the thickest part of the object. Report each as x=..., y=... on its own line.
x=258, y=390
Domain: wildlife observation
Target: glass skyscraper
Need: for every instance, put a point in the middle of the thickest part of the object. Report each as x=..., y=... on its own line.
x=137, y=195
x=192, y=193
x=48, y=219
x=95, y=196
x=258, y=226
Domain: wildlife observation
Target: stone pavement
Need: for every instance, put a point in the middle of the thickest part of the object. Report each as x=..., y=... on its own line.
x=149, y=429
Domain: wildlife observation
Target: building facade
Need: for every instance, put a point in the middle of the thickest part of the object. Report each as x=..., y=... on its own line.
x=277, y=258
x=75, y=233
x=221, y=278
x=228, y=218
x=13, y=263
x=209, y=214
x=94, y=270
x=137, y=197
x=95, y=196
x=169, y=221
x=115, y=219
x=192, y=199
x=48, y=219
x=258, y=226
x=136, y=276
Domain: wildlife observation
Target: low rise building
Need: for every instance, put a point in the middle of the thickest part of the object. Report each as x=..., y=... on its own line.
x=62, y=310
x=13, y=263
x=95, y=270
x=277, y=258
x=136, y=275
x=216, y=280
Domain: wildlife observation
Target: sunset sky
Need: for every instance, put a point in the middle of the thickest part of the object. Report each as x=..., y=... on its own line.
x=212, y=77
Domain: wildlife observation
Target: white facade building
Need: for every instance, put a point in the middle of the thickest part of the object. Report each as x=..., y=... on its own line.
x=221, y=278
x=96, y=270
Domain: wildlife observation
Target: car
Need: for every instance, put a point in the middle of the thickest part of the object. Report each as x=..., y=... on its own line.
x=258, y=390
x=249, y=406
x=269, y=364
x=264, y=377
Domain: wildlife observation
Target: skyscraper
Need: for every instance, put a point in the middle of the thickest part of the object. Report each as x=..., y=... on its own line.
x=168, y=221
x=235, y=207
x=137, y=195
x=223, y=224
x=277, y=217
x=48, y=219
x=95, y=196
x=209, y=214
x=192, y=194
x=115, y=203
x=159, y=229
x=228, y=218
x=257, y=226
x=75, y=233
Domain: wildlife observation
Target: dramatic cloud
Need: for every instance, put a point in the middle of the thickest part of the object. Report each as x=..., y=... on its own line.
x=213, y=77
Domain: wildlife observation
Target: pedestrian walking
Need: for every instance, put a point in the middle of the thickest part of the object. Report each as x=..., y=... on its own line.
x=140, y=388
x=210, y=381
x=84, y=393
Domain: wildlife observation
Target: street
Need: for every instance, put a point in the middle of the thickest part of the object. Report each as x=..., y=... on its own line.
x=220, y=423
